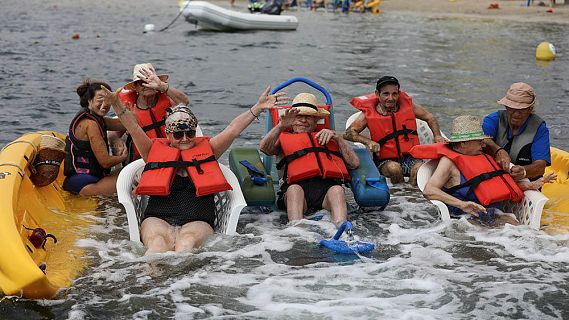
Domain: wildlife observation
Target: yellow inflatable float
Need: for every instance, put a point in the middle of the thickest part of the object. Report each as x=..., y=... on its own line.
x=39, y=226
x=555, y=216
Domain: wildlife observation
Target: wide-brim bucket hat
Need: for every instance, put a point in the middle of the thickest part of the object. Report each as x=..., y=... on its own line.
x=137, y=74
x=519, y=96
x=307, y=104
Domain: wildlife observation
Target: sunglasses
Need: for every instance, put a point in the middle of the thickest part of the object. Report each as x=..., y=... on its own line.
x=178, y=135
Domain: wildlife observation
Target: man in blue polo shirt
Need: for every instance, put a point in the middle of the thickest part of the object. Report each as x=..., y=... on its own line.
x=518, y=134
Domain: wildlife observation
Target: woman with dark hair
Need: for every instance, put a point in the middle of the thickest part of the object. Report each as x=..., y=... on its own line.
x=88, y=161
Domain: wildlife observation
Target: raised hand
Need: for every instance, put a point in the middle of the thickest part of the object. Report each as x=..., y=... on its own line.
x=287, y=119
x=325, y=135
x=151, y=80
x=270, y=101
x=113, y=98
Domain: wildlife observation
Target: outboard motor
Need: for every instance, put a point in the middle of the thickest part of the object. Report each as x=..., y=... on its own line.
x=273, y=7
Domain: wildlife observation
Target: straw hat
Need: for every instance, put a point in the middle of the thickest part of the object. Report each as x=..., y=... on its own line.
x=46, y=163
x=137, y=74
x=307, y=104
x=519, y=96
x=466, y=128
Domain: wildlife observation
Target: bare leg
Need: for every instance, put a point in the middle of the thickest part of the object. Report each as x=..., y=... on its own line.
x=393, y=171
x=335, y=202
x=295, y=202
x=157, y=235
x=104, y=187
x=413, y=174
x=192, y=235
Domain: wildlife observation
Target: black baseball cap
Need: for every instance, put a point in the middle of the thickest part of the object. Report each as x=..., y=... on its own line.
x=386, y=80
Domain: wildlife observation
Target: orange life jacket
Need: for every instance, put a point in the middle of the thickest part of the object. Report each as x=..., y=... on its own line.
x=490, y=183
x=321, y=124
x=305, y=158
x=151, y=120
x=199, y=162
x=396, y=133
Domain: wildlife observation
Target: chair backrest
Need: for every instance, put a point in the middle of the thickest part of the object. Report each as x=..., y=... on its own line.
x=528, y=211
x=228, y=204
x=423, y=131
x=425, y=172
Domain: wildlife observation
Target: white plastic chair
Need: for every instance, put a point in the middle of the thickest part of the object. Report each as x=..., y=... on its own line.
x=528, y=211
x=228, y=204
x=423, y=131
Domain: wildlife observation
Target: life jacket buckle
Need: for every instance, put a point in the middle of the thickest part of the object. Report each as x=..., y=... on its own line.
x=196, y=163
x=405, y=134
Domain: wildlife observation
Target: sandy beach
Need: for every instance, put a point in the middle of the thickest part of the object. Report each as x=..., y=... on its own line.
x=508, y=9
x=512, y=10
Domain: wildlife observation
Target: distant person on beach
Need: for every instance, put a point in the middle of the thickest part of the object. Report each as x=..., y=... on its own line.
x=390, y=115
x=180, y=213
x=149, y=95
x=470, y=182
x=88, y=162
x=518, y=135
x=314, y=164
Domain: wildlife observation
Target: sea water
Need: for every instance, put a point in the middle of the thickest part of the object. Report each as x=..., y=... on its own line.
x=421, y=268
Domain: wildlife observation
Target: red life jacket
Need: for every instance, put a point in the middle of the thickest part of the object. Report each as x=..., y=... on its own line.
x=305, y=158
x=396, y=133
x=164, y=161
x=151, y=120
x=490, y=183
x=321, y=124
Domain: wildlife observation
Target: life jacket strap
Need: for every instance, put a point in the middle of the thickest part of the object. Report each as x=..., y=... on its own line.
x=403, y=132
x=305, y=151
x=474, y=182
x=179, y=164
x=154, y=125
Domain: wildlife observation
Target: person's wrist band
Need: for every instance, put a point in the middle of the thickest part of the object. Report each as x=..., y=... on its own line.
x=495, y=153
x=250, y=110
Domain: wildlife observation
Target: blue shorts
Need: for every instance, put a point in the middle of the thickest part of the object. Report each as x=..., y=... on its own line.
x=76, y=182
x=407, y=162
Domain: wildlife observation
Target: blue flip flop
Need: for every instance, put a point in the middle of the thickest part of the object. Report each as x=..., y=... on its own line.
x=349, y=246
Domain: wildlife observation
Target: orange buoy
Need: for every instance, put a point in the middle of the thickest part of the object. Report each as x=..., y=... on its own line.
x=493, y=6
x=75, y=36
x=550, y=10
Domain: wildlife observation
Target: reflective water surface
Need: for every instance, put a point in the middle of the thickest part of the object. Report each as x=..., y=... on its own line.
x=421, y=268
